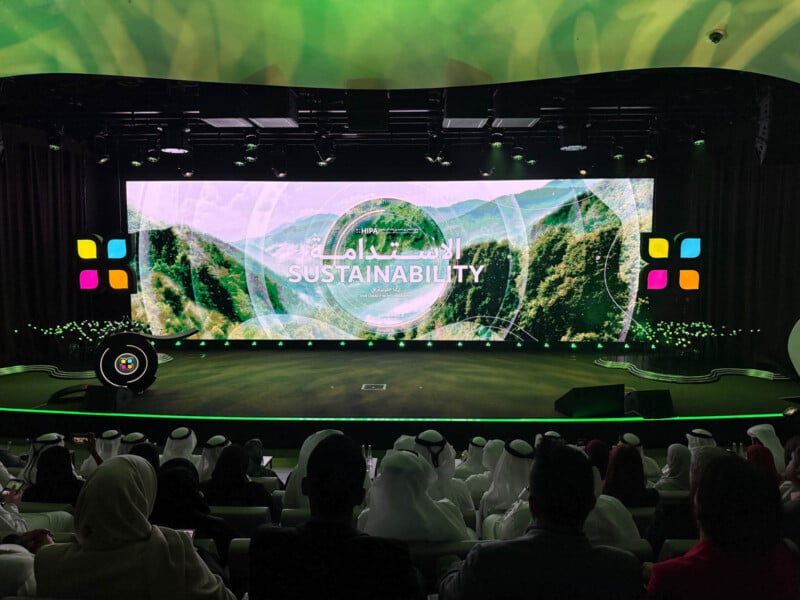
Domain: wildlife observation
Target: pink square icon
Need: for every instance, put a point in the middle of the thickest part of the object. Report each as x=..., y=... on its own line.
x=657, y=279
x=89, y=279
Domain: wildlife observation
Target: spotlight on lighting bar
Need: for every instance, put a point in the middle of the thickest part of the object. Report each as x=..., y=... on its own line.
x=465, y=108
x=513, y=108
x=572, y=135
x=175, y=139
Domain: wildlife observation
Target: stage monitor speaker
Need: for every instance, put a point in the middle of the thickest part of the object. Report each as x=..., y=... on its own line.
x=594, y=401
x=650, y=404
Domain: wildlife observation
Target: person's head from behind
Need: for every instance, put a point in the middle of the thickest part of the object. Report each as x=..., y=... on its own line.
x=561, y=486
x=231, y=466
x=115, y=503
x=54, y=466
x=147, y=451
x=701, y=458
x=761, y=458
x=625, y=474
x=334, y=481
x=738, y=508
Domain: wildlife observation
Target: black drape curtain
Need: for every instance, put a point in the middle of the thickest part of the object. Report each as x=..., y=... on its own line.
x=749, y=214
x=45, y=200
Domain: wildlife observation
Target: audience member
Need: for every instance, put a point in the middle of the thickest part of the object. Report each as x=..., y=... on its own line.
x=55, y=479
x=553, y=435
x=764, y=435
x=553, y=559
x=147, y=451
x=610, y=522
x=479, y=484
x=294, y=497
x=38, y=445
x=652, y=472
x=699, y=438
x=474, y=461
x=180, y=444
x=598, y=452
x=762, y=459
x=792, y=444
x=10, y=519
x=180, y=504
x=255, y=460
x=11, y=460
x=509, y=481
x=400, y=506
x=625, y=478
x=118, y=553
x=327, y=557
x=676, y=471
x=212, y=449
x=674, y=519
x=433, y=447
x=790, y=489
x=129, y=440
x=740, y=554
x=106, y=446
x=229, y=484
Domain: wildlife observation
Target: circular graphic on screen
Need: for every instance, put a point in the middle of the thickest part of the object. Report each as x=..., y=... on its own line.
x=386, y=263
x=126, y=360
x=126, y=364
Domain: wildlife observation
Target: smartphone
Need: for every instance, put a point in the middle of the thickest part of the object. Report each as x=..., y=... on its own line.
x=13, y=485
x=80, y=439
x=189, y=532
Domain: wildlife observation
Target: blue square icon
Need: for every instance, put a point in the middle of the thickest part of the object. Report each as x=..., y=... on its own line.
x=117, y=248
x=690, y=247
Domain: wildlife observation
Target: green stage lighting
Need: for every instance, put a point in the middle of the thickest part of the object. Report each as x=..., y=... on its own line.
x=488, y=344
x=460, y=344
x=178, y=344
x=310, y=343
x=429, y=344
x=519, y=344
x=546, y=345
x=280, y=344
x=342, y=343
x=370, y=344
x=402, y=344
x=254, y=344
x=573, y=345
x=599, y=346
x=202, y=343
x=227, y=343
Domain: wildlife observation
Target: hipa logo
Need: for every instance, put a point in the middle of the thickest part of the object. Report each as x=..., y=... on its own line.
x=103, y=265
x=672, y=264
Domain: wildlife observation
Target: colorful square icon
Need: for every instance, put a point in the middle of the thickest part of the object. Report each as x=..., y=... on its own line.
x=657, y=279
x=658, y=247
x=117, y=248
x=690, y=247
x=689, y=279
x=87, y=248
x=89, y=279
x=118, y=279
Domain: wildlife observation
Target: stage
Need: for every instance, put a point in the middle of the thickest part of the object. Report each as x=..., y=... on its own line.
x=399, y=384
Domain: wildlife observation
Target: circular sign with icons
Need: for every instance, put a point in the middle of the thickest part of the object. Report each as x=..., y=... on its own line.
x=126, y=360
x=126, y=364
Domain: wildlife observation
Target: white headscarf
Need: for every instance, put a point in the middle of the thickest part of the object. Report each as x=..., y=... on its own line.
x=107, y=445
x=294, y=497
x=509, y=481
x=116, y=542
x=699, y=438
x=434, y=448
x=180, y=444
x=478, y=484
x=129, y=440
x=401, y=508
x=676, y=471
x=554, y=435
x=212, y=450
x=765, y=433
x=610, y=522
x=474, y=463
x=39, y=445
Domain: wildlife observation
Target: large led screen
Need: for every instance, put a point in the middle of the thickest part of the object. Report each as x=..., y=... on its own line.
x=544, y=260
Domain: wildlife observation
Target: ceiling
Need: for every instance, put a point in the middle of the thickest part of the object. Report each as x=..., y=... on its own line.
x=409, y=44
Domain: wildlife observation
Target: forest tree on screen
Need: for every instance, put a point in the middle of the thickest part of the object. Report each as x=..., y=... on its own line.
x=523, y=260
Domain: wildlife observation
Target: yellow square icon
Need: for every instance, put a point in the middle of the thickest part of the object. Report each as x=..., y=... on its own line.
x=689, y=279
x=87, y=249
x=658, y=248
x=117, y=279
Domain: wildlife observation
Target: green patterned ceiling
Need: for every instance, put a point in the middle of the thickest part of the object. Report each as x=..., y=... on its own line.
x=392, y=44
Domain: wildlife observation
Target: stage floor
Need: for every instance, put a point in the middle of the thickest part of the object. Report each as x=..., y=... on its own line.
x=329, y=385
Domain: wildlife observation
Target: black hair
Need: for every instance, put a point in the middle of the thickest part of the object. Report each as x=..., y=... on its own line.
x=738, y=507
x=335, y=475
x=561, y=484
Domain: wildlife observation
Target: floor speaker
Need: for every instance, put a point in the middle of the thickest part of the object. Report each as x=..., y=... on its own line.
x=594, y=401
x=650, y=404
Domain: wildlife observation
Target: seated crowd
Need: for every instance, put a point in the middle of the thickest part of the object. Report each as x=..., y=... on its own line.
x=542, y=520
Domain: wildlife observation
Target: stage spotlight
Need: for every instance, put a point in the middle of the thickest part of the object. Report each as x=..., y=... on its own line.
x=101, y=149
x=518, y=153
x=278, y=160
x=186, y=170
x=250, y=142
x=583, y=172
x=699, y=138
x=175, y=139
x=617, y=152
x=641, y=160
x=496, y=140
x=572, y=135
x=487, y=171
x=136, y=161
x=153, y=155
x=530, y=162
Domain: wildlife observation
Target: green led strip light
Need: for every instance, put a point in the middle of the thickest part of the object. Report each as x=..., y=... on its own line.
x=392, y=45
x=385, y=419
x=710, y=377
